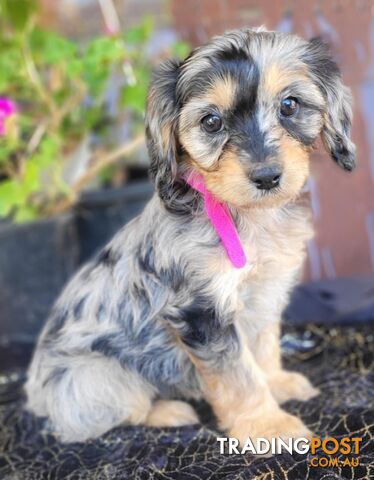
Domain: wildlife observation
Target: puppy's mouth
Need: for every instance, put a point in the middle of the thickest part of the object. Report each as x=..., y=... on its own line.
x=269, y=193
x=263, y=197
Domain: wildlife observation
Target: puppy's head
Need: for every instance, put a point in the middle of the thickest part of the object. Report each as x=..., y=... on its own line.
x=244, y=111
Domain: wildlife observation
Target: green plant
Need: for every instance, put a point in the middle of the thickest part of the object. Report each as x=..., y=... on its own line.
x=60, y=90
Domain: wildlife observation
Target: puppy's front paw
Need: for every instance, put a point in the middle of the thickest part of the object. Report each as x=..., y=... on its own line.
x=274, y=424
x=291, y=386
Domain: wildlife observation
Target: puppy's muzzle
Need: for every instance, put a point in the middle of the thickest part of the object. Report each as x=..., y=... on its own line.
x=266, y=178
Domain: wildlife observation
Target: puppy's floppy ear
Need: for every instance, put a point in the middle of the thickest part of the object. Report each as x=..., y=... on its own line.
x=161, y=126
x=338, y=115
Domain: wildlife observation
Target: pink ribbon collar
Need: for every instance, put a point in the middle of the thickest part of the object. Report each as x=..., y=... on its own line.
x=222, y=221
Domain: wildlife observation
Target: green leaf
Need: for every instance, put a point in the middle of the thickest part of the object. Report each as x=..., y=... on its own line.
x=31, y=179
x=51, y=48
x=74, y=68
x=49, y=147
x=93, y=116
x=140, y=33
x=180, y=49
x=18, y=12
x=47, y=152
x=99, y=61
x=96, y=80
x=134, y=96
x=10, y=196
x=25, y=213
x=11, y=66
x=104, y=49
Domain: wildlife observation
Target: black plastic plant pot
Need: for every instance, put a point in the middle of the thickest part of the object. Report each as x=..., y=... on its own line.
x=37, y=259
x=100, y=214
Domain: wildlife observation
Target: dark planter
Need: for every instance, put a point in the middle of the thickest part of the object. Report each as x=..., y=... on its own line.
x=100, y=214
x=36, y=260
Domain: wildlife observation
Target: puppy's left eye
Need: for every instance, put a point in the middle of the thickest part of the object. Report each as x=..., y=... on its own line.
x=289, y=106
x=212, y=123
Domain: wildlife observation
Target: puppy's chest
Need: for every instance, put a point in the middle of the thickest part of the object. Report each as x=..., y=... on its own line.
x=270, y=251
x=275, y=242
x=267, y=250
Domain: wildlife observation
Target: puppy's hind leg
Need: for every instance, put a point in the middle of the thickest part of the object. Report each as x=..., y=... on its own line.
x=171, y=413
x=87, y=396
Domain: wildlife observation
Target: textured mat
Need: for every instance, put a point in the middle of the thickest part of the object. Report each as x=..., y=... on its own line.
x=338, y=360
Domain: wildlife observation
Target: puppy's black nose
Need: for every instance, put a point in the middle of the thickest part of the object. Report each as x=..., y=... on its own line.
x=266, y=178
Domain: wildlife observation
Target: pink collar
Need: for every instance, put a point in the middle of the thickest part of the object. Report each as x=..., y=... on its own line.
x=222, y=221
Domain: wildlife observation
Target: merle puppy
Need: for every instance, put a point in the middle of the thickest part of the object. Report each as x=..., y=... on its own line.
x=163, y=313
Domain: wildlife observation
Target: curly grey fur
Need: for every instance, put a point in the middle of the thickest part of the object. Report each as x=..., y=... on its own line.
x=162, y=298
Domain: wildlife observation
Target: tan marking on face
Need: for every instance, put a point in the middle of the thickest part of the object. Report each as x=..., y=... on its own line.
x=221, y=94
x=295, y=160
x=276, y=78
x=228, y=182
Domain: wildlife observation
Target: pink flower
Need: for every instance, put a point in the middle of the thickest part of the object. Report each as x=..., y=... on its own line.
x=7, y=109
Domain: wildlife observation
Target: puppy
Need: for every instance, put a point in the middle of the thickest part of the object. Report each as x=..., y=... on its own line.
x=162, y=313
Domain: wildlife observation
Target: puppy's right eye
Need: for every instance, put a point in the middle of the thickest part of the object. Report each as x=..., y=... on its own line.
x=289, y=106
x=212, y=123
